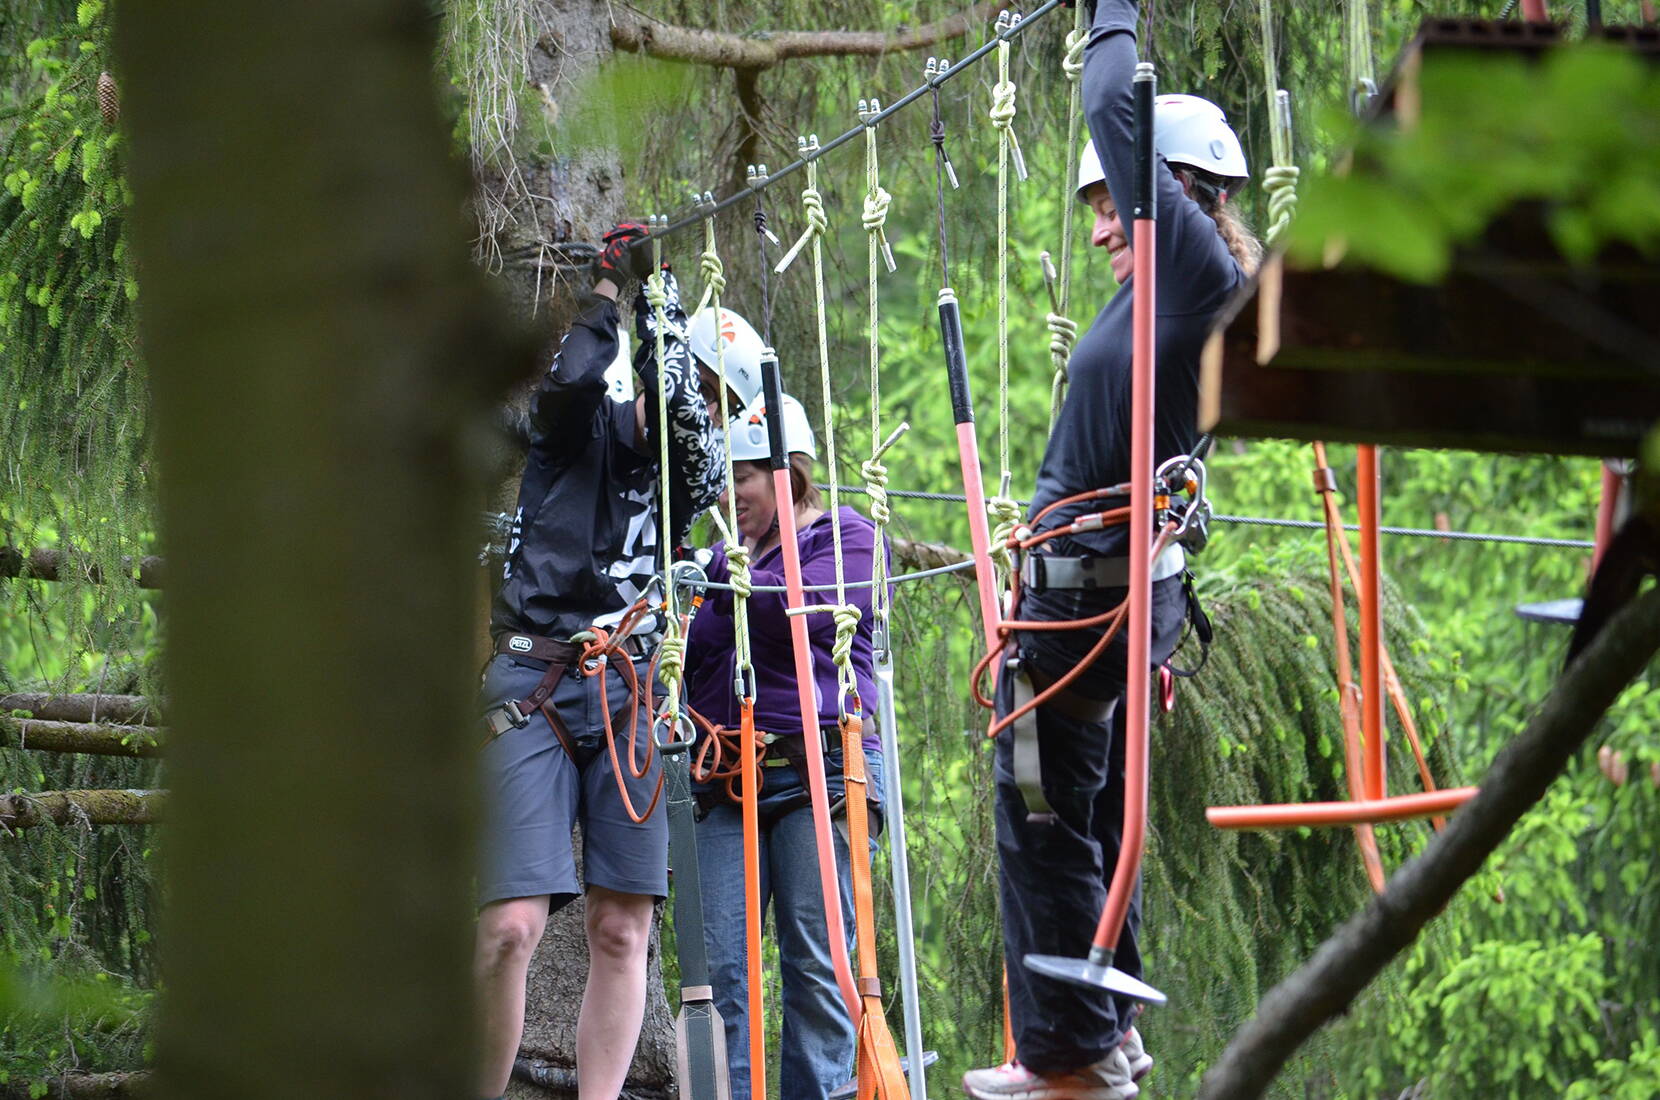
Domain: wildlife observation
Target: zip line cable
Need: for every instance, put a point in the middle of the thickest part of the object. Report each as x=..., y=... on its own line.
x=943, y=74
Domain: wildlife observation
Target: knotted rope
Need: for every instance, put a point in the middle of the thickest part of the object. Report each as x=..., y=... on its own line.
x=1280, y=180
x=813, y=203
x=671, y=650
x=1002, y=508
x=1063, y=332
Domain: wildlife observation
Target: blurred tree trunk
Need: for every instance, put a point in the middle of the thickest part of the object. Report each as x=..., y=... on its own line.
x=323, y=355
x=578, y=196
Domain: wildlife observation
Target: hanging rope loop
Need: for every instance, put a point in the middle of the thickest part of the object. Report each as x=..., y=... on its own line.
x=1072, y=62
x=1280, y=181
x=812, y=203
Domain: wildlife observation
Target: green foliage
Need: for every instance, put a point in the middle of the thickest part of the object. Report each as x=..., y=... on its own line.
x=1427, y=188
x=74, y=420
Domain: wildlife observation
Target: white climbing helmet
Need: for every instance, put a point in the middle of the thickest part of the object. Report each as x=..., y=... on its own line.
x=747, y=433
x=742, y=353
x=1186, y=130
x=619, y=376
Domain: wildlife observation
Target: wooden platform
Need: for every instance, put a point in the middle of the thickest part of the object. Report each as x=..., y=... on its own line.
x=1515, y=350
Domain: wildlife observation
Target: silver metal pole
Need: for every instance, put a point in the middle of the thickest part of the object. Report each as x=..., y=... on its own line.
x=895, y=821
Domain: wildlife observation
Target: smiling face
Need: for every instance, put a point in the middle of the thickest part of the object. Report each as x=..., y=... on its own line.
x=1108, y=232
x=757, y=505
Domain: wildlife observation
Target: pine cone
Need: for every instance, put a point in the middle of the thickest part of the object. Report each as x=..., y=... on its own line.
x=109, y=102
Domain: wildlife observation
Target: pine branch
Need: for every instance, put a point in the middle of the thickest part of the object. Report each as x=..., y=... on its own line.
x=1354, y=955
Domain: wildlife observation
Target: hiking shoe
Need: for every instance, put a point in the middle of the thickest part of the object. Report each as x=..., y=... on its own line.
x=1108, y=1079
x=1135, y=1054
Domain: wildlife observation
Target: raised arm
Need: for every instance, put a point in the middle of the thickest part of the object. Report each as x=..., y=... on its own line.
x=571, y=390
x=1195, y=267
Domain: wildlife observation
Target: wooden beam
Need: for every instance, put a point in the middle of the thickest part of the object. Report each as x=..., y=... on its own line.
x=135, y=710
x=26, y=811
x=82, y=737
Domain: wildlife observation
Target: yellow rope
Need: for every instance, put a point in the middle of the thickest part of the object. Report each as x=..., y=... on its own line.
x=1063, y=332
x=737, y=554
x=873, y=471
x=1002, y=508
x=672, y=648
x=1280, y=180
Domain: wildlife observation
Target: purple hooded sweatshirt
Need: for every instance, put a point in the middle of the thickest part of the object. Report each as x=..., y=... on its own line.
x=711, y=657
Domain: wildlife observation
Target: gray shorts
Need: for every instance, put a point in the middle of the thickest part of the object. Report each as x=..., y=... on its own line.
x=535, y=793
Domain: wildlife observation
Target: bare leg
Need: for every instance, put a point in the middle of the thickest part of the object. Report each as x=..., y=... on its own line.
x=614, y=1001
x=508, y=932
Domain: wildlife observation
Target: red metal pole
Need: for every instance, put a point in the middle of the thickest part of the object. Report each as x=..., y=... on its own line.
x=1607, y=508
x=1371, y=623
x=1534, y=11
x=968, y=456
x=1401, y=807
x=1140, y=594
x=812, y=736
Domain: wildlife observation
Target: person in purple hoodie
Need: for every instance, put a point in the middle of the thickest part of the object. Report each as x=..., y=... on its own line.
x=818, y=1038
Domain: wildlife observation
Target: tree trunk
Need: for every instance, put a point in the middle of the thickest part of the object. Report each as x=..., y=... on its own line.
x=86, y=1086
x=322, y=356
x=25, y=733
x=25, y=811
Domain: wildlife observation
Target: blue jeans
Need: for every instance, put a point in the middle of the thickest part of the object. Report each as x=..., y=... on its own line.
x=818, y=1039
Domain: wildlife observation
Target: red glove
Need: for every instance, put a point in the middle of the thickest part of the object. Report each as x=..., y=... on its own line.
x=625, y=254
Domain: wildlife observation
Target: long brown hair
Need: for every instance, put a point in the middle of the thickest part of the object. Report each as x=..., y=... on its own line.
x=1211, y=193
x=801, y=481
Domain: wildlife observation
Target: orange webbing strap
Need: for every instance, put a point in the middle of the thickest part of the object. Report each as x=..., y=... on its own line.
x=880, y=1074
x=749, y=801
x=1348, y=693
x=1391, y=682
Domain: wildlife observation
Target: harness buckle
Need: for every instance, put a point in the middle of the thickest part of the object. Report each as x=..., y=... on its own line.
x=1037, y=574
x=514, y=715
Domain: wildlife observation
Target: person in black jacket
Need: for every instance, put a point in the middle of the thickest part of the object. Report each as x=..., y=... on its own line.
x=584, y=548
x=1073, y=1042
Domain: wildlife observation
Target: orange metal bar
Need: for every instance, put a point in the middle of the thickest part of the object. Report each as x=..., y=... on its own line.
x=1402, y=807
x=1371, y=623
x=817, y=790
x=1607, y=509
x=752, y=900
x=1140, y=594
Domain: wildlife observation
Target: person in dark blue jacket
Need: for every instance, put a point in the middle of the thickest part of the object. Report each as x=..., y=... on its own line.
x=1074, y=1043
x=584, y=548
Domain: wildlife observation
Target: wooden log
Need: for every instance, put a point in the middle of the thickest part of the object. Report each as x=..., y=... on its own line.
x=913, y=554
x=137, y=710
x=84, y=1086
x=24, y=811
x=57, y=565
x=96, y=740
